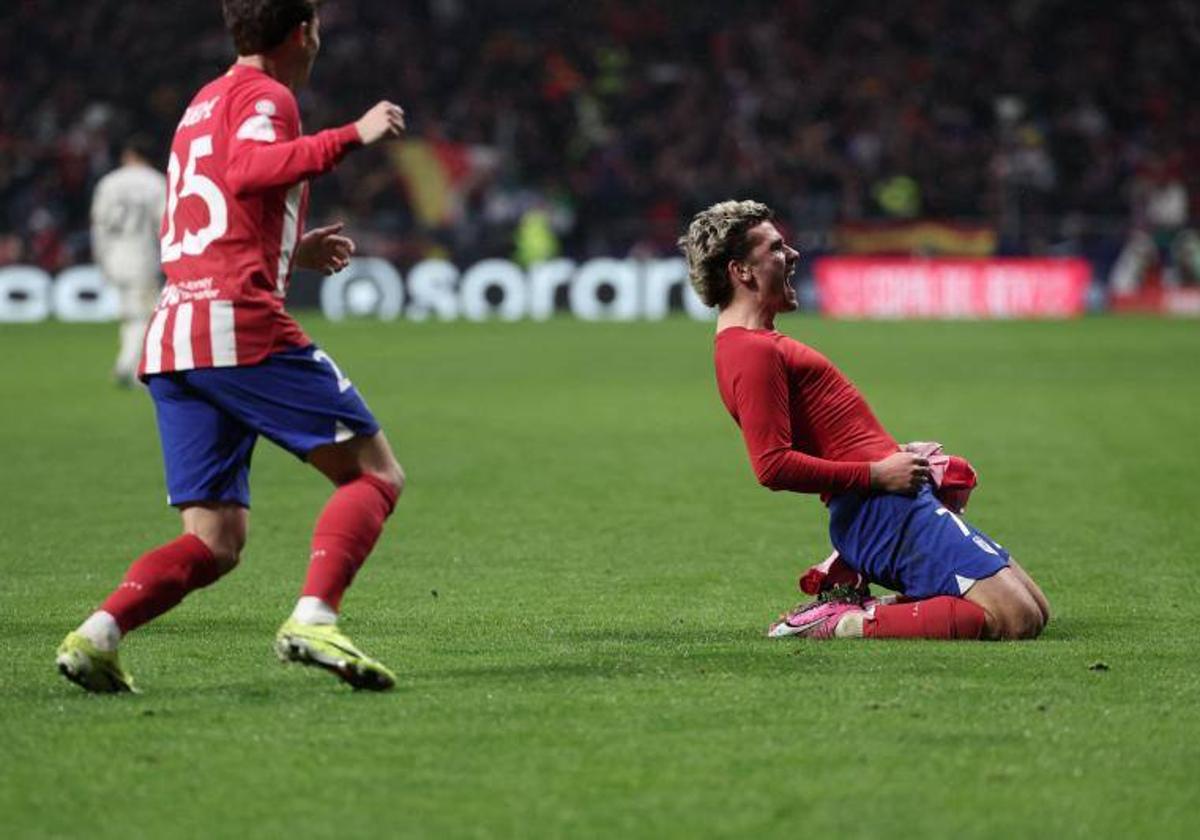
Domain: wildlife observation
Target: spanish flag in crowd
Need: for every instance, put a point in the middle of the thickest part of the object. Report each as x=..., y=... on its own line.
x=437, y=174
x=920, y=238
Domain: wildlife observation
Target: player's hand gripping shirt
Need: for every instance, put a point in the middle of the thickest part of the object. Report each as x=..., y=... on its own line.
x=806, y=427
x=236, y=198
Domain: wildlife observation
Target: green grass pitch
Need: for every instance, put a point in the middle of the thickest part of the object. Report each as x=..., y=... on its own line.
x=574, y=591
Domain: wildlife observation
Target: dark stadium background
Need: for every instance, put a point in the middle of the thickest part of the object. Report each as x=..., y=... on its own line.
x=596, y=129
x=575, y=587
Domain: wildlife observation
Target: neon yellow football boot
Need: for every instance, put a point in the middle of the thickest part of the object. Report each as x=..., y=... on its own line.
x=91, y=668
x=324, y=646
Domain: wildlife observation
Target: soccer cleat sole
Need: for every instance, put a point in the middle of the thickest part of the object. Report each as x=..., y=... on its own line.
x=356, y=675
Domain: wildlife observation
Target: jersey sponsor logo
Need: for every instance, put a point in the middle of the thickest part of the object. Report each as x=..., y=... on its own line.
x=199, y=112
x=185, y=291
x=265, y=106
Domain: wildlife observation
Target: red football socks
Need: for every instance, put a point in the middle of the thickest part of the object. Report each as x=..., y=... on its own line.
x=943, y=617
x=159, y=579
x=346, y=532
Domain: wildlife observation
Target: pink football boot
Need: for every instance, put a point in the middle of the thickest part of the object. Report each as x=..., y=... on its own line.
x=817, y=620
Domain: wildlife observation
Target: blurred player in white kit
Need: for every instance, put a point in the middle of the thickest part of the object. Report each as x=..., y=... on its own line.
x=127, y=208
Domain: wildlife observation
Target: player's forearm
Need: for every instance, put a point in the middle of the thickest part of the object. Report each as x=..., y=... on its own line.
x=767, y=431
x=787, y=469
x=256, y=167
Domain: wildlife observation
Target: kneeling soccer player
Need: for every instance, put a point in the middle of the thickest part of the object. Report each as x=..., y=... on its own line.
x=808, y=429
x=225, y=363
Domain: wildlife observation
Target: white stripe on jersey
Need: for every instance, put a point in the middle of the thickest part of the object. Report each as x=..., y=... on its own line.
x=291, y=231
x=154, y=337
x=181, y=337
x=220, y=330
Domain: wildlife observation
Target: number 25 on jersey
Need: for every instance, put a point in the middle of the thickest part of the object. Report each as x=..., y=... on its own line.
x=193, y=243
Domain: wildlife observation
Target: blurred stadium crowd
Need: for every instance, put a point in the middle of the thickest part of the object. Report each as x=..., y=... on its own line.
x=595, y=128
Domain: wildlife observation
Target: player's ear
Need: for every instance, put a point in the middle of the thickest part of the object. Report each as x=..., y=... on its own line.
x=737, y=271
x=305, y=34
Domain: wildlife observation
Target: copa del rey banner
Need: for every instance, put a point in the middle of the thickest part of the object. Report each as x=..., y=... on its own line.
x=885, y=287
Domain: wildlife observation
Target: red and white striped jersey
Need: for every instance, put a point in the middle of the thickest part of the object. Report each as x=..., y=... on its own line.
x=237, y=194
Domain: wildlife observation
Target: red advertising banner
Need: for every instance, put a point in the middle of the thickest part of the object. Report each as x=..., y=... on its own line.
x=871, y=287
x=1156, y=300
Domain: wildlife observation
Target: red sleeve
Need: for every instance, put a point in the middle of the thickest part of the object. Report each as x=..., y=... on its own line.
x=267, y=150
x=762, y=407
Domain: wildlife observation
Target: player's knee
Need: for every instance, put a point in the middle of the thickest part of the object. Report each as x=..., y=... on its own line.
x=393, y=476
x=227, y=551
x=226, y=545
x=222, y=530
x=1044, y=611
x=226, y=561
x=1015, y=621
x=1035, y=622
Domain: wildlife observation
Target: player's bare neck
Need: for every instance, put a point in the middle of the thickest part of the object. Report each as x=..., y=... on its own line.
x=273, y=67
x=746, y=315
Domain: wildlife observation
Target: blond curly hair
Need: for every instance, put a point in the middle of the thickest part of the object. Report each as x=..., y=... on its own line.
x=714, y=237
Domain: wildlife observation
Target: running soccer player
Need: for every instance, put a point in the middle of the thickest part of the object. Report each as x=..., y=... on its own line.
x=808, y=429
x=225, y=362
x=127, y=209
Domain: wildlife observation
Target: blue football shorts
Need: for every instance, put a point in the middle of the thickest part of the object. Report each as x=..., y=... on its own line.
x=912, y=544
x=209, y=419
